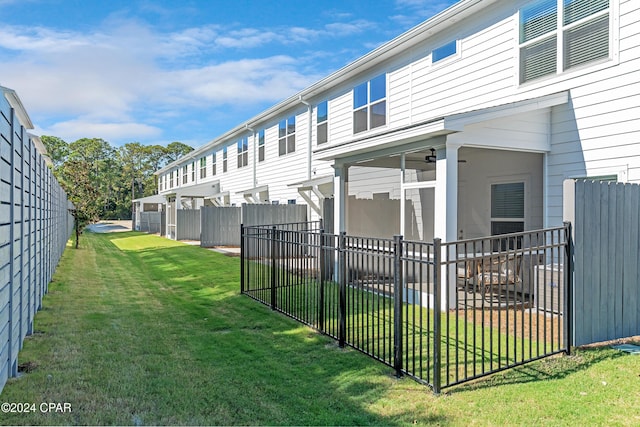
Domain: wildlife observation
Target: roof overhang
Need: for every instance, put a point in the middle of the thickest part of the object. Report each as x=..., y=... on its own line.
x=252, y=195
x=433, y=133
x=151, y=199
x=15, y=102
x=195, y=191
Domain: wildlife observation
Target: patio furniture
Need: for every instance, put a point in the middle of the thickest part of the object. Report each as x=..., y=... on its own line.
x=501, y=271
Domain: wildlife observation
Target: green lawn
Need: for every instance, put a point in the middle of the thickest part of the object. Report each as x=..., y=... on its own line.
x=137, y=329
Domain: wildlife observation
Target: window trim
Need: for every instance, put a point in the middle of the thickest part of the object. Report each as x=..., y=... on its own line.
x=369, y=104
x=448, y=58
x=289, y=135
x=224, y=159
x=243, y=152
x=578, y=70
x=261, y=145
x=511, y=179
x=324, y=123
x=203, y=167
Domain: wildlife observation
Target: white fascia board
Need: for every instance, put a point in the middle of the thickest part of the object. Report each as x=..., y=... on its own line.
x=16, y=104
x=151, y=199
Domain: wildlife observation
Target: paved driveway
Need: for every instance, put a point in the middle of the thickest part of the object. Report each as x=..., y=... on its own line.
x=110, y=226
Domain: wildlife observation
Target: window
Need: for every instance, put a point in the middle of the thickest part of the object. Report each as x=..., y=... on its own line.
x=287, y=136
x=224, y=159
x=322, y=117
x=445, y=51
x=370, y=104
x=549, y=45
x=507, y=208
x=160, y=181
x=171, y=179
x=193, y=172
x=203, y=167
x=261, y=146
x=213, y=164
x=185, y=174
x=243, y=152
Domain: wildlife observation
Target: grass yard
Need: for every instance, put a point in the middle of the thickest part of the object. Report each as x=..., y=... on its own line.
x=137, y=329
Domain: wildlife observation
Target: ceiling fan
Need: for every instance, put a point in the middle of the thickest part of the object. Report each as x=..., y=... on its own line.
x=432, y=157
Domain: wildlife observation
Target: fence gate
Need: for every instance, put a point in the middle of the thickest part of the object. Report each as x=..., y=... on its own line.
x=442, y=313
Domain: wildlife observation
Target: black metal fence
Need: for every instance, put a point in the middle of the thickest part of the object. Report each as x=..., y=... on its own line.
x=442, y=313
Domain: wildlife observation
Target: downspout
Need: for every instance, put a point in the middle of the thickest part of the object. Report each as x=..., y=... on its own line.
x=255, y=161
x=309, y=129
x=309, y=118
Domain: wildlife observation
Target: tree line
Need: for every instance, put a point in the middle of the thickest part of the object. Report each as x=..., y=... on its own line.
x=101, y=180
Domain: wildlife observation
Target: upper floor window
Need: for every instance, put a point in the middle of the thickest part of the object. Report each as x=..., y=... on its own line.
x=322, y=116
x=261, y=146
x=243, y=152
x=287, y=136
x=185, y=174
x=370, y=104
x=193, y=172
x=160, y=182
x=213, y=164
x=549, y=45
x=445, y=51
x=203, y=167
x=224, y=159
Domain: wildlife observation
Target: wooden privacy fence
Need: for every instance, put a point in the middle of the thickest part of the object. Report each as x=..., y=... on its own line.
x=35, y=224
x=607, y=259
x=220, y=226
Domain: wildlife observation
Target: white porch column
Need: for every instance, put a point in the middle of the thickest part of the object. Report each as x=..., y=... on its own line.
x=340, y=189
x=446, y=213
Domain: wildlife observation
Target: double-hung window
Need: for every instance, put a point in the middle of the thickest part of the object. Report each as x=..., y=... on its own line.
x=243, y=152
x=203, y=167
x=171, y=179
x=261, y=146
x=507, y=208
x=193, y=172
x=322, y=116
x=287, y=136
x=213, y=164
x=370, y=104
x=185, y=174
x=557, y=35
x=224, y=159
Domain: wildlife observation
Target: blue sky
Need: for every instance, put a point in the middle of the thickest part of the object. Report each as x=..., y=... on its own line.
x=161, y=71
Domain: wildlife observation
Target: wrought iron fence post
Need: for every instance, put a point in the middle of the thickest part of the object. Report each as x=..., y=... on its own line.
x=342, y=279
x=568, y=290
x=242, y=258
x=273, y=268
x=397, y=304
x=321, y=309
x=437, y=314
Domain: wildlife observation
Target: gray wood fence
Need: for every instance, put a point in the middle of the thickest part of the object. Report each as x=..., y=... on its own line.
x=152, y=222
x=262, y=214
x=35, y=224
x=607, y=259
x=188, y=224
x=220, y=226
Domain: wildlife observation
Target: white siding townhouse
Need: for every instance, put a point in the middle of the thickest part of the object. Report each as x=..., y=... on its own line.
x=464, y=126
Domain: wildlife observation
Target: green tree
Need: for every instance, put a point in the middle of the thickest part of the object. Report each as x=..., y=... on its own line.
x=57, y=149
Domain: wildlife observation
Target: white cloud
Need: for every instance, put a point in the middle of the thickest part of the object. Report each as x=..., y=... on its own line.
x=73, y=130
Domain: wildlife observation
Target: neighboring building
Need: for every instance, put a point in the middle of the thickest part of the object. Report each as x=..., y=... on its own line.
x=462, y=127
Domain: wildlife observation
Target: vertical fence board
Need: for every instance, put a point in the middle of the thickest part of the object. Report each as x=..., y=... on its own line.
x=607, y=255
x=34, y=227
